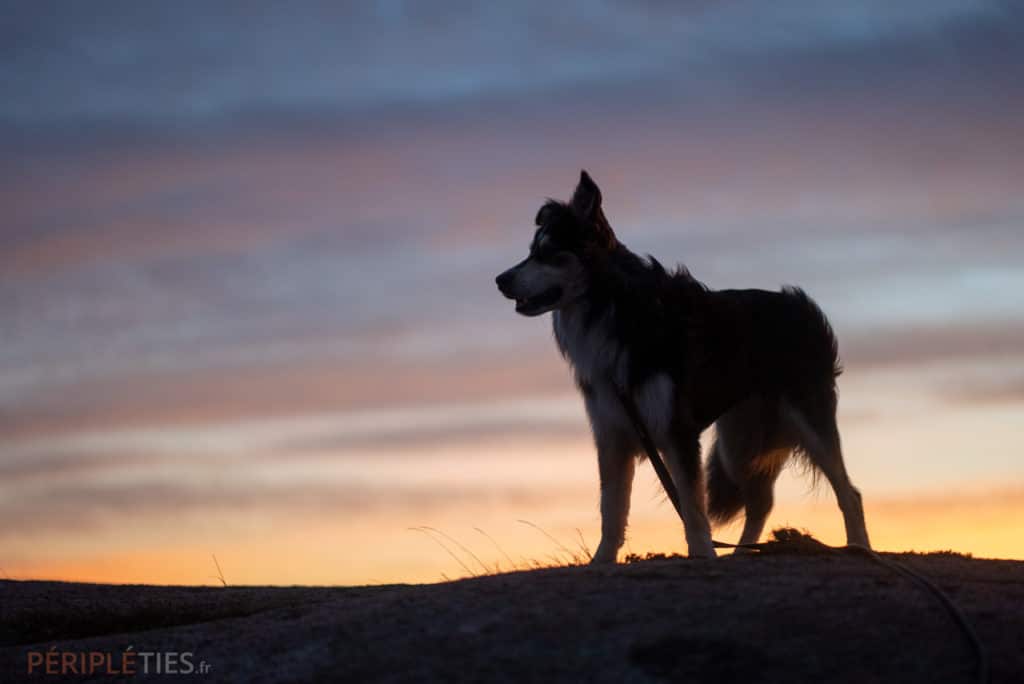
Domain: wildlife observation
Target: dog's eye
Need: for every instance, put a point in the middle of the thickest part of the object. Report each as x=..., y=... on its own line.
x=553, y=257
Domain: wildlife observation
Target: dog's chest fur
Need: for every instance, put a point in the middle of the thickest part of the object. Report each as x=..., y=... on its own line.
x=590, y=346
x=601, y=364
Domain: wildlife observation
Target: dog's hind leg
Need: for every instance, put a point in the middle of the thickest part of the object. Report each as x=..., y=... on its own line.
x=818, y=434
x=725, y=498
x=746, y=457
x=754, y=493
x=758, y=497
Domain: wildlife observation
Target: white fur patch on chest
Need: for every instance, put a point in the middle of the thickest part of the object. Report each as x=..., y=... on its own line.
x=594, y=353
x=655, y=400
x=608, y=417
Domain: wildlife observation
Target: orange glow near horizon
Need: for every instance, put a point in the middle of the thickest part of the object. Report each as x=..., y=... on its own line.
x=332, y=498
x=385, y=550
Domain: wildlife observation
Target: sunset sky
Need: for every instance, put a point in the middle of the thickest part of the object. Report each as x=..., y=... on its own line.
x=247, y=257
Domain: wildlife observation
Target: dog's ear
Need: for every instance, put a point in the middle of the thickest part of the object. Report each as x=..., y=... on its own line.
x=545, y=212
x=586, y=203
x=587, y=198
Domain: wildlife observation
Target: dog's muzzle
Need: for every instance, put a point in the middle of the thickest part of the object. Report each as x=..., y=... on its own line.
x=527, y=305
x=504, y=281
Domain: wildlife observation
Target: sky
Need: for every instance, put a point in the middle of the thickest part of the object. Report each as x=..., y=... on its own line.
x=247, y=258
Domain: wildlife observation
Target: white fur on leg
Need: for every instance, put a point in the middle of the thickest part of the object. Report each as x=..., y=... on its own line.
x=830, y=462
x=692, y=505
x=616, y=469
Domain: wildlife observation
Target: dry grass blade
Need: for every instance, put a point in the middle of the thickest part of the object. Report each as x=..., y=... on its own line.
x=574, y=557
x=461, y=546
x=511, y=562
x=583, y=545
x=425, y=530
x=220, y=573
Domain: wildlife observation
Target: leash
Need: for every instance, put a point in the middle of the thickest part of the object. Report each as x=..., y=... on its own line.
x=791, y=541
x=653, y=455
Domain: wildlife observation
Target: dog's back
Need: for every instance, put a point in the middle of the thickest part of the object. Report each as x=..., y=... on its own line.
x=773, y=344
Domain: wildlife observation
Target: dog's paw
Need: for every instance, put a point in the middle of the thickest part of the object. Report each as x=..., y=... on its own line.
x=604, y=555
x=701, y=549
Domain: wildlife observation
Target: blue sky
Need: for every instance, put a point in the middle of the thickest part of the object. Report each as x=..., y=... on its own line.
x=219, y=219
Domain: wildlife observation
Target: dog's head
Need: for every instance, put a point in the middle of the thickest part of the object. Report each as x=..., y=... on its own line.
x=568, y=238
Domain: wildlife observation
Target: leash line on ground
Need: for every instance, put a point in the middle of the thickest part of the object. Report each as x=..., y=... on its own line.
x=794, y=541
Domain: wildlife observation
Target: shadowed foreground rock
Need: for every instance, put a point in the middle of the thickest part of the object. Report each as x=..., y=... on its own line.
x=737, y=619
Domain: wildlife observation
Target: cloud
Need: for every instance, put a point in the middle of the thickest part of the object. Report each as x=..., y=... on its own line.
x=901, y=346
x=401, y=369
x=124, y=62
x=985, y=391
x=129, y=509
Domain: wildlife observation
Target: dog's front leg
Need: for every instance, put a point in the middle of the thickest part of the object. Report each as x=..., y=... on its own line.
x=616, y=465
x=682, y=457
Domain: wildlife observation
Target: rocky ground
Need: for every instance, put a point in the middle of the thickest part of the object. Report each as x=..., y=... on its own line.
x=752, y=618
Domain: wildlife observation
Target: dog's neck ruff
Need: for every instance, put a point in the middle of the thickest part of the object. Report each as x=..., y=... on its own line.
x=588, y=342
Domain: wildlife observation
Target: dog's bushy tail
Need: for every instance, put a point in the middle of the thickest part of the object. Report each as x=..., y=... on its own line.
x=724, y=497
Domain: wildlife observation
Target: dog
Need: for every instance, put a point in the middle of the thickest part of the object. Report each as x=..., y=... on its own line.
x=760, y=366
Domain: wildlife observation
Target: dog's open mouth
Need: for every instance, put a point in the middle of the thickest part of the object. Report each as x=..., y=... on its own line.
x=530, y=306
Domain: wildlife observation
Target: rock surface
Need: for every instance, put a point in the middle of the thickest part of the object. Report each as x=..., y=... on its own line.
x=750, y=618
